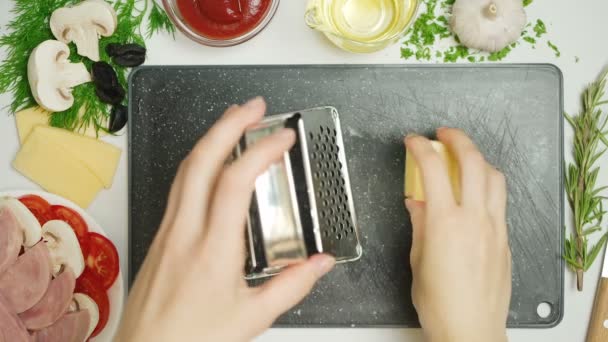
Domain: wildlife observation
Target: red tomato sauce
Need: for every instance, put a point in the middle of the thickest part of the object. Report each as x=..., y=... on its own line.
x=253, y=11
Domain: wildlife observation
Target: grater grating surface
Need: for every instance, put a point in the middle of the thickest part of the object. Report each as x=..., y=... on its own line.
x=313, y=182
x=331, y=184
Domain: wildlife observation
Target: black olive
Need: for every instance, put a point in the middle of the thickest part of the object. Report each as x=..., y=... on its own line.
x=118, y=118
x=107, y=87
x=112, y=49
x=130, y=61
x=127, y=55
x=104, y=75
x=113, y=96
x=115, y=49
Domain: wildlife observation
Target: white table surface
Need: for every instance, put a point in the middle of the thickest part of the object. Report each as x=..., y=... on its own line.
x=577, y=28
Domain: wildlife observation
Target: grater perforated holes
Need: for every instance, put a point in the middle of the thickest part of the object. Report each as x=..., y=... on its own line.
x=335, y=219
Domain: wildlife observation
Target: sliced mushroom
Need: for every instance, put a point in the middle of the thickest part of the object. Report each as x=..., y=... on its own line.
x=63, y=246
x=83, y=24
x=82, y=302
x=28, y=223
x=52, y=76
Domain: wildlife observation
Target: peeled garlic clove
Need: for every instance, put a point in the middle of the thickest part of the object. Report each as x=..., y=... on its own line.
x=488, y=25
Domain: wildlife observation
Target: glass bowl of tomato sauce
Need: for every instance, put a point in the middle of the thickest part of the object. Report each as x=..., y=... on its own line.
x=221, y=22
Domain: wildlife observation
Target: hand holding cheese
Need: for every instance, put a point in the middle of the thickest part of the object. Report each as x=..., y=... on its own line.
x=460, y=256
x=414, y=184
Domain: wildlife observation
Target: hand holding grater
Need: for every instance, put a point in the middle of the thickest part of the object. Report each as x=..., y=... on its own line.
x=303, y=204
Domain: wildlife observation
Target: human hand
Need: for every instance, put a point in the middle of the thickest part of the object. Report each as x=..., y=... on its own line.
x=460, y=256
x=190, y=286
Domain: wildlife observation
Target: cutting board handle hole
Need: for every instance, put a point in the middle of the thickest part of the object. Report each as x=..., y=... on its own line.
x=544, y=309
x=606, y=324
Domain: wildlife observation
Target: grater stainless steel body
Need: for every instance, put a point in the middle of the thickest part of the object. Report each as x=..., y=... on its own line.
x=303, y=204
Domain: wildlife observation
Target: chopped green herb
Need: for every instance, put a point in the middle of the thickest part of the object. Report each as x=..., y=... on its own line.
x=576, y=59
x=499, y=55
x=540, y=28
x=424, y=54
x=454, y=53
x=432, y=26
x=529, y=40
x=406, y=53
x=554, y=48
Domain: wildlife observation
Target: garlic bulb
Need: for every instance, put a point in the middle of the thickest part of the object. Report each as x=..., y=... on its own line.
x=488, y=25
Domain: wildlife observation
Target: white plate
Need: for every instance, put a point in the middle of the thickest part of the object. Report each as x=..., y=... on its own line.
x=116, y=292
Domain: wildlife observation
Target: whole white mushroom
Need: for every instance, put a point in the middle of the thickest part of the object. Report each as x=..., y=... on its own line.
x=488, y=25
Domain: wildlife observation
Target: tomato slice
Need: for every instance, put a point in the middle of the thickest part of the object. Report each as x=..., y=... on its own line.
x=89, y=284
x=38, y=206
x=78, y=224
x=102, y=259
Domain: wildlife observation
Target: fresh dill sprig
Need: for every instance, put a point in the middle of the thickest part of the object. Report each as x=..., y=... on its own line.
x=158, y=21
x=30, y=27
x=584, y=196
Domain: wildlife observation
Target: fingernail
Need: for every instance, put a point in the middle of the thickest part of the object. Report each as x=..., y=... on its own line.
x=254, y=103
x=323, y=264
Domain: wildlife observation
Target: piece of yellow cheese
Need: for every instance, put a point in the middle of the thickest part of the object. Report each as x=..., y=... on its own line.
x=414, y=184
x=100, y=157
x=29, y=118
x=56, y=170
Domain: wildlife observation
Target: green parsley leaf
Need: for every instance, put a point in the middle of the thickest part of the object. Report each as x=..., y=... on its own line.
x=540, y=28
x=554, y=48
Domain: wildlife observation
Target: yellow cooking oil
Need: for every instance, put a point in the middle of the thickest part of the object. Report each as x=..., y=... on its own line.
x=362, y=25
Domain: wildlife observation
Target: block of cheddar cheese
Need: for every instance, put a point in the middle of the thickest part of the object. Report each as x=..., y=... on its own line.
x=414, y=183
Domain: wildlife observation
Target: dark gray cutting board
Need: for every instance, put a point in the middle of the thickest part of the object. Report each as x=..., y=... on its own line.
x=512, y=111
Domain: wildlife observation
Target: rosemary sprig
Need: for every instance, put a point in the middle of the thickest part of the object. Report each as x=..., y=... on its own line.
x=30, y=27
x=584, y=196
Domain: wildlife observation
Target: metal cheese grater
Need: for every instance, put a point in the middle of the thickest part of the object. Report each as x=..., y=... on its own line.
x=303, y=204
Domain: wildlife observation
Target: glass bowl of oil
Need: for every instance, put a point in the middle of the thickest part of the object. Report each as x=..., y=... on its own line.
x=361, y=26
